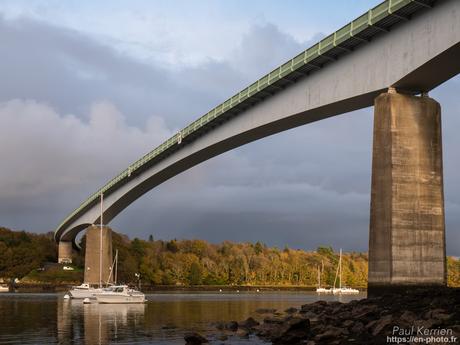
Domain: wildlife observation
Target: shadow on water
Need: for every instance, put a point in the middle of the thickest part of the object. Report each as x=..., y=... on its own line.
x=49, y=319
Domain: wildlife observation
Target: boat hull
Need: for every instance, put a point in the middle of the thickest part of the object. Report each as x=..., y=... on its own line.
x=82, y=293
x=120, y=299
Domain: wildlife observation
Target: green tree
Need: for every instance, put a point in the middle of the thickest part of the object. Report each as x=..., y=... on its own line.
x=195, y=276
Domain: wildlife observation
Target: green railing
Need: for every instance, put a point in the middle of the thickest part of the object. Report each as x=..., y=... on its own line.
x=347, y=32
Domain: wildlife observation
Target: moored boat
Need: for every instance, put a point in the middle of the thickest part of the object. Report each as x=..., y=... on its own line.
x=120, y=294
x=84, y=291
x=4, y=288
x=342, y=290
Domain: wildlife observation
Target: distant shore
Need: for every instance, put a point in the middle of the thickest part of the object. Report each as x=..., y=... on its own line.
x=47, y=287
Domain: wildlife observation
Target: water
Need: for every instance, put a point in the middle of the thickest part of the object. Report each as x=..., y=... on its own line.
x=49, y=319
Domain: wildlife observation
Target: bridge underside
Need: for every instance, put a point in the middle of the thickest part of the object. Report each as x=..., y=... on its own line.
x=413, y=57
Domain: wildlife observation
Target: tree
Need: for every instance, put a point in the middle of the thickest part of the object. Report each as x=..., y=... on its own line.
x=172, y=246
x=150, y=238
x=195, y=276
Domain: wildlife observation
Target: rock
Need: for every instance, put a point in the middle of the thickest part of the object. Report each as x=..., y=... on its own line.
x=243, y=334
x=382, y=324
x=408, y=317
x=222, y=337
x=194, y=338
x=249, y=323
x=358, y=327
x=291, y=310
x=219, y=325
x=265, y=311
x=231, y=326
x=348, y=323
x=295, y=330
x=310, y=315
x=331, y=333
x=437, y=314
x=274, y=320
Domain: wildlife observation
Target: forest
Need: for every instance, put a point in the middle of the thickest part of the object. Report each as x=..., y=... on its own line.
x=195, y=262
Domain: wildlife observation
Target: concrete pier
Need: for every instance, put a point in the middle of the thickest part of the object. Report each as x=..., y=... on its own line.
x=407, y=228
x=65, y=252
x=92, y=254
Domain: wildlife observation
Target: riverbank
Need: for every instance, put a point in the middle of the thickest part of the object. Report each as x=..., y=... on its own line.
x=422, y=314
x=47, y=287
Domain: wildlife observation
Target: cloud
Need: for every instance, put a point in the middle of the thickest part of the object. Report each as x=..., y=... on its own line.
x=56, y=160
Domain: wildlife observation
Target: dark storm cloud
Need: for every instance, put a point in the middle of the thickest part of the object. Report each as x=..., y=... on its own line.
x=73, y=113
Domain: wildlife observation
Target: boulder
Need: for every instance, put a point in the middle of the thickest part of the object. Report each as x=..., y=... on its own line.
x=249, y=323
x=194, y=338
x=231, y=326
x=381, y=324
x=291, y=310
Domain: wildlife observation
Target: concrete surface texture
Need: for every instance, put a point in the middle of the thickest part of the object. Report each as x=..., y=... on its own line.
x=93, y=257
x=407, y=228
x=65, y=252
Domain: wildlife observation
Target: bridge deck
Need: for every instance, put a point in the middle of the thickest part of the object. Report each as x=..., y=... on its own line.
x=360, y=31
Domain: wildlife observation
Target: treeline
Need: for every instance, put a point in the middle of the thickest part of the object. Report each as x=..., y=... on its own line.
x=197, y=262
x=21, y=252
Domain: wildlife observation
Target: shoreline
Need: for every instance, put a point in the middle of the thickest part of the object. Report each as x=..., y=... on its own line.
x=51, y=288
x=382, y=320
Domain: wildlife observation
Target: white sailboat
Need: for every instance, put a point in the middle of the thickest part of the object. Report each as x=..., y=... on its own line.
x=84, y=291
x=319, y=289
x=342, y=290
x=119, y=293
x=4, y=288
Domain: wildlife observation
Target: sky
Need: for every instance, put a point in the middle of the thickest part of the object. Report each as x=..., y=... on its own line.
x=89, y=87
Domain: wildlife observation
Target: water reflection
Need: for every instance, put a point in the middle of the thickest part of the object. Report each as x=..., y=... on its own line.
x=49, y=319
x=98, y=323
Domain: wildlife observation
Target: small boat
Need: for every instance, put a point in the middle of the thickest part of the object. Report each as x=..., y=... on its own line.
x=120, y=294
x=342, y=290
x=4, y=288
x=84, y=291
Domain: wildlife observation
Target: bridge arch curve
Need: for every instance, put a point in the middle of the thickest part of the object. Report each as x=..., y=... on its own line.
x=342, y=73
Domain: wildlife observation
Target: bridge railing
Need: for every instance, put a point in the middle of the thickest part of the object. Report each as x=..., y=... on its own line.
x=347, y=32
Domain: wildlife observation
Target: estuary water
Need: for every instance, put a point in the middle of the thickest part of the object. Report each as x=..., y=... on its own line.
x=165, y=318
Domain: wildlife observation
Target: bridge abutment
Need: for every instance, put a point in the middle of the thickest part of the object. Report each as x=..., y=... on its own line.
x=407, y=227
x=97, y=239
x=65, y=252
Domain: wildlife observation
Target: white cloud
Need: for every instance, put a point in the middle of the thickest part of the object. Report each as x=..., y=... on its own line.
x=46, y=152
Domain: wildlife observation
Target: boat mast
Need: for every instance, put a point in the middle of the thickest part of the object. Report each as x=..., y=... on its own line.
x=340, y=265
x=319, y=278
x=116, y=266
x=336, y=273
x=100, y=242
x=322, y=268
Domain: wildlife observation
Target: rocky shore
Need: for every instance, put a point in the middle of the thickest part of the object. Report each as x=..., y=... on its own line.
x=409, y=317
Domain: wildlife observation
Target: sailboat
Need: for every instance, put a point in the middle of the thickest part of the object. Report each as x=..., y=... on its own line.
x=119, y=293
x=342, y=290
x=85, y=290
x=319, y=289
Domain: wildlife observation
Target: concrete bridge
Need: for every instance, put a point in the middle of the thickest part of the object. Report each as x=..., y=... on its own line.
x=390, y=57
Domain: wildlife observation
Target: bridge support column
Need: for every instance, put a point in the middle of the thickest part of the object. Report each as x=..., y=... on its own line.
x=65, y=252
x=94, y=258
x=407, y=228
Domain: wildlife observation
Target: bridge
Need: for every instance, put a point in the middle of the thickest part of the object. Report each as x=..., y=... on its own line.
x=390, y=57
